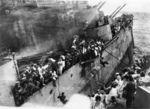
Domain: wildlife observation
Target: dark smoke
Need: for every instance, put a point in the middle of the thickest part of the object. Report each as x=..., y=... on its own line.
x=27, y=32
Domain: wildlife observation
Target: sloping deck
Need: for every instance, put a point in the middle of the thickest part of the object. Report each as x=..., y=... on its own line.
x=8, y=78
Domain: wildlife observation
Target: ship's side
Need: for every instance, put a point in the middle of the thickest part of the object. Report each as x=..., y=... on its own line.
x=88, y=77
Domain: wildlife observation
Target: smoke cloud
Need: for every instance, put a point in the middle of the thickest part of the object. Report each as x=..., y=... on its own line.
x=28, y=32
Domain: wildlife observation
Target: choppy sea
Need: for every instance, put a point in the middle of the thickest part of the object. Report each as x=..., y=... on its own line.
x=141, y=32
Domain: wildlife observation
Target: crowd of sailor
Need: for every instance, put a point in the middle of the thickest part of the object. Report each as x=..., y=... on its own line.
x=121, y=23
x=123, y=86
x=37, y=75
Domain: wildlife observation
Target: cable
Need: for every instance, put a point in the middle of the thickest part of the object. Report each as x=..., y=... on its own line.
x=114, y=56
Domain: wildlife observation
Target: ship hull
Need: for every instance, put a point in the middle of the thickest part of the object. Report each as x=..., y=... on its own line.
x=87, y=78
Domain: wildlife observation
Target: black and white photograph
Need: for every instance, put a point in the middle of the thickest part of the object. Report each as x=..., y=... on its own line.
x=75, y=54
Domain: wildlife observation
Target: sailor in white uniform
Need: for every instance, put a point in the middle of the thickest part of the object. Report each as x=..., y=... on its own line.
x=61, y=64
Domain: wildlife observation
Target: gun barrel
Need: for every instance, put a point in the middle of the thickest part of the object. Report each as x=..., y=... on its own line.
x=101, y=5
x=98, y=4
x=118, y=11
x=115, y=11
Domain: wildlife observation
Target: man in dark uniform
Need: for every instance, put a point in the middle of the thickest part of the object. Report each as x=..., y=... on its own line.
x=62, y=98
x=130, y=90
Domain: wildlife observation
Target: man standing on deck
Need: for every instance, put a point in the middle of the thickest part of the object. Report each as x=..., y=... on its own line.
x=130, y=90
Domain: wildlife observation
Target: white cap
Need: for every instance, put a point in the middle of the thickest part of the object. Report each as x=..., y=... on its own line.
x=117, y=73
x=138, y=68
x=51, y=59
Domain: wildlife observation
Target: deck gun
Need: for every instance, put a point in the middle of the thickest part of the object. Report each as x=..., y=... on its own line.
x=117, y=11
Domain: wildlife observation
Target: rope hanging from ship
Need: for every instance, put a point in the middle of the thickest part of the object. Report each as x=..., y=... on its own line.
x=114, y=57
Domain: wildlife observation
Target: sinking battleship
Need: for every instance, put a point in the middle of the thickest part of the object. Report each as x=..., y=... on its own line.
x=85, y=74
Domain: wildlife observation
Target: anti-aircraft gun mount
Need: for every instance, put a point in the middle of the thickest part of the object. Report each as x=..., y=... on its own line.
x=103, y=26
x=98, y=25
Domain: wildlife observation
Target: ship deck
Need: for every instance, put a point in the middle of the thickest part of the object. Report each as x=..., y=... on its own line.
x=7, y=80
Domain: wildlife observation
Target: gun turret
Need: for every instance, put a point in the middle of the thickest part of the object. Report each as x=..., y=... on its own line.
x=118, y=11
x=114, y=11
x=101, y=5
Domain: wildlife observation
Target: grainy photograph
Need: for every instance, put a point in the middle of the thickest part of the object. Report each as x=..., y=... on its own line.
x=75, y=54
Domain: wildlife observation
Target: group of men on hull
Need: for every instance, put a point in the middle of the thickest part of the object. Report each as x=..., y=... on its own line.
x=35, y=76
x=122, y=22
